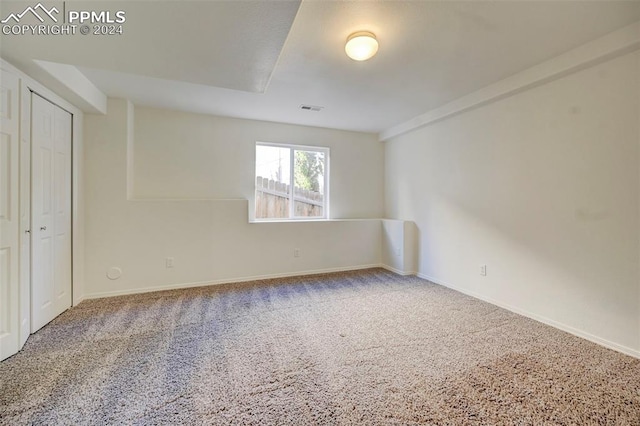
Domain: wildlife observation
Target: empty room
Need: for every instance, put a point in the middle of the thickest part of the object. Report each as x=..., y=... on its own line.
x=319, y=212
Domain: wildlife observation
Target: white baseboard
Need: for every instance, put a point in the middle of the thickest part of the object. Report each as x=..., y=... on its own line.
x=226, y=281
x=571, y=330
x=397, y=271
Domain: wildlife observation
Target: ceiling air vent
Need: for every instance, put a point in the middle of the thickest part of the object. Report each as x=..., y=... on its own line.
x=311, y=108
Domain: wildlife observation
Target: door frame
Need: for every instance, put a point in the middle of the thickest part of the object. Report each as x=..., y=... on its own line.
x=31, y=95
x=77, y=187
x=28, y=85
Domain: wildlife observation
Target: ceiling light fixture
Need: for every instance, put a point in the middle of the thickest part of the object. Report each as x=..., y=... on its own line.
x=361, y=46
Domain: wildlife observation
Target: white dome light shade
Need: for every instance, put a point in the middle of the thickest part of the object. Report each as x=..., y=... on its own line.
x=361, y=46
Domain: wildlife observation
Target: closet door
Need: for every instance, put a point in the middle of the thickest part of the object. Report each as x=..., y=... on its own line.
x=51, y=211
x=9, y=216
x=25, y=213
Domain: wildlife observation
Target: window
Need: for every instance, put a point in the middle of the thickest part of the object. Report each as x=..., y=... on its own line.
x=291, y=182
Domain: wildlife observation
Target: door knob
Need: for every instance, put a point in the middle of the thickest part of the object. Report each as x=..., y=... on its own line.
x=43, y=228
x=27, y=231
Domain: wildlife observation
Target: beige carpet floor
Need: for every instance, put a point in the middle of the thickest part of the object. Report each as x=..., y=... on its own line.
x=366, y=347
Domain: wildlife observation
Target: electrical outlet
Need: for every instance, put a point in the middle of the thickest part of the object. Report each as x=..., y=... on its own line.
x=398, y=252
x=296, y=252
x=483, y=270
x=169, y=262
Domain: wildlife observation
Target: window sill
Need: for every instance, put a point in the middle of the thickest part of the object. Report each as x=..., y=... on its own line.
x=289, y=220
x=254, y=221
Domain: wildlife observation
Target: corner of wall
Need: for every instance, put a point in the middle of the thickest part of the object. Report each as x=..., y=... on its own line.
x=399, y=246
x=467, y=183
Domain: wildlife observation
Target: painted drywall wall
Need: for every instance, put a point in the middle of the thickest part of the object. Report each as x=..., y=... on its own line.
x=209, y=240
x=400, y=246
x=541, y=187
x=185, y=155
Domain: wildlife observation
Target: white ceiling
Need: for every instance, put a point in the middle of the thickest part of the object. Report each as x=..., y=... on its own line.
x=216, y=57
x=232, y=44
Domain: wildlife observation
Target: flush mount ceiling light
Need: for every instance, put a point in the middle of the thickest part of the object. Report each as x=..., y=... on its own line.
x=361, y=46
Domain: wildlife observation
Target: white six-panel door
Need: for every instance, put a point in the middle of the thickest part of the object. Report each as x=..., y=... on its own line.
x=9, y=216
x=50, y=211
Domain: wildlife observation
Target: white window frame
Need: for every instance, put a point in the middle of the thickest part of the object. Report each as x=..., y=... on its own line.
x=293, y=148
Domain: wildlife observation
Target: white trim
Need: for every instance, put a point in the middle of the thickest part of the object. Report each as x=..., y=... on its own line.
x=295, y=146
x=227, y=281
x=397, y=271
x=292, y=185
x=311, y=220
x=569, y=329
x=290, y=220
x=617, y=43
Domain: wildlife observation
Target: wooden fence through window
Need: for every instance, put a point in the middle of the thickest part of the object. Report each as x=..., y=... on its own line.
x=272, y=200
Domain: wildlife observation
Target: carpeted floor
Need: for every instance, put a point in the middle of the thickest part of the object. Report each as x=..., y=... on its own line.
x=366, y=347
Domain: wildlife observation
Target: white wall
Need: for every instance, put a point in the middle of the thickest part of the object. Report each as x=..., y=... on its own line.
x=400, y=246
x=544, y=188
x=188, y=157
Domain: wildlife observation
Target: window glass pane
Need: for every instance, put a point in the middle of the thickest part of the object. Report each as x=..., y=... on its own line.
x=308, y=195
x=273, y=169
